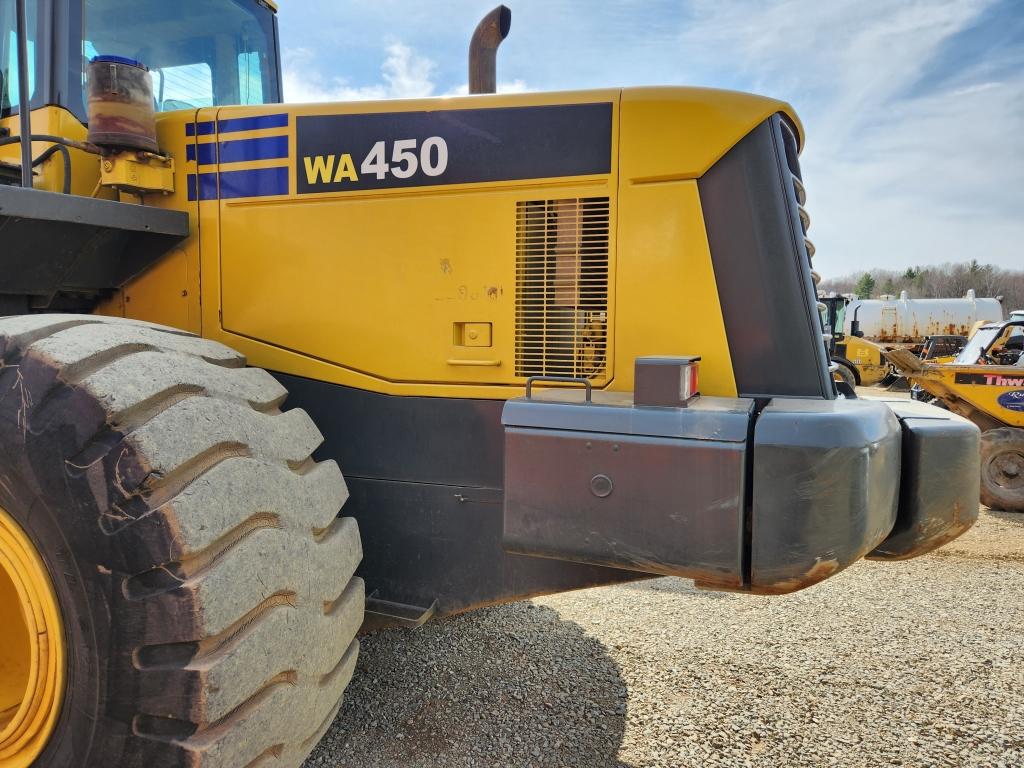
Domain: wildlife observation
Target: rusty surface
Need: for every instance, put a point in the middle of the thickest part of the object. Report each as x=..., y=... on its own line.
x=933, y=536
x=818, y=572
x=120, y=104
x=483, y=50
x=891, y=334
x=909, y=321
x=821, y=570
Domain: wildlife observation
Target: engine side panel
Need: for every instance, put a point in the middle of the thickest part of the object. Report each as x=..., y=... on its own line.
x=416, y=288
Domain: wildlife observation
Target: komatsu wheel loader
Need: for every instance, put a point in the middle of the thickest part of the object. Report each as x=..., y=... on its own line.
x=518, y=323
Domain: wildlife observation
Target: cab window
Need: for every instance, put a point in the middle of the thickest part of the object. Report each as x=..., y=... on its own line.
x=201, y=53
x=9, y=93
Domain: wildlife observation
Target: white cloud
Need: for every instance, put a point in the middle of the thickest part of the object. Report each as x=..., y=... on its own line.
x=513, y=86
x=913, y=155
x=404, y=74
x=898, y=172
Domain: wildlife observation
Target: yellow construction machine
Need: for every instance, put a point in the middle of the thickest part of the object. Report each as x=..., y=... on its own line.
x=519, y=323
x=860, y=361
x=856, y=360
x=984, y=383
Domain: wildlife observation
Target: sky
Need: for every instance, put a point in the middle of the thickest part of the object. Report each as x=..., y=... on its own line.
x=914, y=110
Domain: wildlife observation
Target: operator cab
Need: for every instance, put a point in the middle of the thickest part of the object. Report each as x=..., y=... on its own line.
x=995, y=344
x=200, y=53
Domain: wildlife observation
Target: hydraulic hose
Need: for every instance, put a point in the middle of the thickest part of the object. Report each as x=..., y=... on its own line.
x=60, y=144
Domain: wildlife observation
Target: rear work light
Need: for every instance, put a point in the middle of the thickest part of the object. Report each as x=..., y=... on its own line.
x=666, y=382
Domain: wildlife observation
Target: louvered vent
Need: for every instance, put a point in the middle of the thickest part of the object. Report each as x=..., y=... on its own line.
x=562, y=287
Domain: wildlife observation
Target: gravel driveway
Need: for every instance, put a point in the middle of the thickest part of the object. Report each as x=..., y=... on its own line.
x=916, y=663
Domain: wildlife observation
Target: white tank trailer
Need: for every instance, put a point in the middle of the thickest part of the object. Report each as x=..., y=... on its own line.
x=910, y=321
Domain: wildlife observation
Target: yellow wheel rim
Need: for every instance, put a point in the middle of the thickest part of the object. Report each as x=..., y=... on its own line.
x=31, y=649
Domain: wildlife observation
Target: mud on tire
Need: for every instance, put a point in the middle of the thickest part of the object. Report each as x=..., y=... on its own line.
x=205, y=581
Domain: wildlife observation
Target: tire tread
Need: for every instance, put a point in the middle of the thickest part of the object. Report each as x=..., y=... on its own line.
x=229, y=550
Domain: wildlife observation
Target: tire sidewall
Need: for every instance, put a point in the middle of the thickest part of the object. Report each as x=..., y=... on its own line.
x=847, y=374
x=994, y=444
x=78, y=597
x=41, y=426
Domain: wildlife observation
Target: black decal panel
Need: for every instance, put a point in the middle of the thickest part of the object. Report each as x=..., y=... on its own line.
x=990, y=379
x=410, y=149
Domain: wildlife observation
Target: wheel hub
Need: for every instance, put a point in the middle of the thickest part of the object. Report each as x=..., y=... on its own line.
x=31, y=649
x=1008, y=470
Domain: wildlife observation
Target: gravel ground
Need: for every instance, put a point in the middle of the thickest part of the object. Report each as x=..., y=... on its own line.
x=915, y=663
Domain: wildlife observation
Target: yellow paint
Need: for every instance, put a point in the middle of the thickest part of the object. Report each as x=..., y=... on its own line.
x=138, y=173
x=473, y=334
x=32, y=652
x=56, y=121
x=940, y=381
x=168, y=292
x=320, y=169
x=868, y=358
x=365, y=288
x=154, y=298
x=371, y=306
x=986, y=384
x=666, y=296
x=692, y=129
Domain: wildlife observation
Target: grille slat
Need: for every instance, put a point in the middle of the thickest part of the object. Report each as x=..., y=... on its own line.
x=562, y=287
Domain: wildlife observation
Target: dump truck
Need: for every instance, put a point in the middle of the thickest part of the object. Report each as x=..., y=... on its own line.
x=519, y=323
x=984, y=383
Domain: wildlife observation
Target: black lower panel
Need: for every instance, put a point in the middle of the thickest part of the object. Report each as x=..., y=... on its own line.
x=425, y=542
x=425, y=478
x=52, y=242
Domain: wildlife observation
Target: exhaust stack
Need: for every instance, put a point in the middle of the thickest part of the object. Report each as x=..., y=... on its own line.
x=483, y=50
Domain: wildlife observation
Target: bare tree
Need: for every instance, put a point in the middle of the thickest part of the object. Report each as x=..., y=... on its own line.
x=938, y=281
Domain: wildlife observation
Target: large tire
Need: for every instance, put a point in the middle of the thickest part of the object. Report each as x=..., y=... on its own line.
x=1002, y=469
x=204, y=580
x=846, y=374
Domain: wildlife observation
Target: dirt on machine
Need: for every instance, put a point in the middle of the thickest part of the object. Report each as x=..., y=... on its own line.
x=519, y=324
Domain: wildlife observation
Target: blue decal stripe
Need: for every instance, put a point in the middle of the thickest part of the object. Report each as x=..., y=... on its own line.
x=239, y=151
x=207, y=153
x=207, y=186
x=234, y=125
x=243, y=150
x=199, y=129
x=253, y=123
x=260, y=182
x=256, y=183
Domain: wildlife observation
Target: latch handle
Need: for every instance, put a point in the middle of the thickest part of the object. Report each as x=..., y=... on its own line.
x=561, y=380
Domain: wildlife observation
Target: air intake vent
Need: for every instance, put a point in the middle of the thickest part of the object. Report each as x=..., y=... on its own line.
x=562, y=288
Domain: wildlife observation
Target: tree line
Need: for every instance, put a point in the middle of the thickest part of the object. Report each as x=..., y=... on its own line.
x=935, y=282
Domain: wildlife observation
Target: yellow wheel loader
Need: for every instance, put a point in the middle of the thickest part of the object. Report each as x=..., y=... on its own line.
x=857, y=361
x=519, y=324
x=984, y=383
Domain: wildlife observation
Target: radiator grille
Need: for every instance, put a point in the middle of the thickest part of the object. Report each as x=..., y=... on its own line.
x=562, y=287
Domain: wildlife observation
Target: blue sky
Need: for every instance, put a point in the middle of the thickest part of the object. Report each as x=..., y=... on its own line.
x=914, y=110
